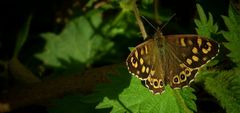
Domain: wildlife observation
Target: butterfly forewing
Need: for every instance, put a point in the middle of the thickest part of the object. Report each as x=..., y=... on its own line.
x=144, y=63
x=138, y=62
x=194, y=51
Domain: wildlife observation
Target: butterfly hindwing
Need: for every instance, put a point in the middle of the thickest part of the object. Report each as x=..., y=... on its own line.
x=155, y=84
x=181, y=76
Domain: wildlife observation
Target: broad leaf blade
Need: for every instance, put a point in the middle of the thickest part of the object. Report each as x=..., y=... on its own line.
x=79, y=44
x=137, y=98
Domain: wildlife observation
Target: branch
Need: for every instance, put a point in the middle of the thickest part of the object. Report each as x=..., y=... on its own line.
x=51, y=88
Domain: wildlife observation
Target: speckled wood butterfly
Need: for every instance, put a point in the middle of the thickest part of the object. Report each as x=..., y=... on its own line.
x=172, y=59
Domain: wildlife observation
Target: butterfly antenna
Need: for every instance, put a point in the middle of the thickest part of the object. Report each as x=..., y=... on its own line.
x=149, y=23
x=168, y=21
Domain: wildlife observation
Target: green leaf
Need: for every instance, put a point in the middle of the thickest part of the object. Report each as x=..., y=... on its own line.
x=137, y=98
x=205, y=26
x=79, y=44
x=232, y=35
x=225, y=86
x=22, y=36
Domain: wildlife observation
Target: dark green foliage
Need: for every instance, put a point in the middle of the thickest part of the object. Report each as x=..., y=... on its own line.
x=232, y=22
x=223, y=85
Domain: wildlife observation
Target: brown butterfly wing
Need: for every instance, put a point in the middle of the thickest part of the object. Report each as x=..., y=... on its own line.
x=190, y=52
x=143, y=62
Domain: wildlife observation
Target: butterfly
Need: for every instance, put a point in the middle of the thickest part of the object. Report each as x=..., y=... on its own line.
x=171, y=59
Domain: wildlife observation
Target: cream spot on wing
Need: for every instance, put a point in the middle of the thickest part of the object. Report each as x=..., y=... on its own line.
x=132, y=59
x=152, y=72
x=143, y=69
x=199, y=41
x=146, y=49
x=204, y=58
x=195, y=58
x=136, y=54
x=182, y=42
x=195, y=50
x=134, y=62
x=209, y=48
x=190, y=42
x=189, y=61
x=182, y=65
x=135, y=65
x=141, y=61
x=209, y=44
x=147, y=69
x=205, y=51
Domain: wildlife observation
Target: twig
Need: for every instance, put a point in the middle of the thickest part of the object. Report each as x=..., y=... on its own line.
x=139, y=21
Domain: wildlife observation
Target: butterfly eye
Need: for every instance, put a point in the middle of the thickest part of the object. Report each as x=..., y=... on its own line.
x=182, y=76
x=161, y=83
x=175, y=79
x=133, y=60
x=187, y=72
x=155, y=83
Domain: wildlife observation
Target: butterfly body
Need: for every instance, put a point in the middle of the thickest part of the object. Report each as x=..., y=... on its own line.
x=171, y=59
